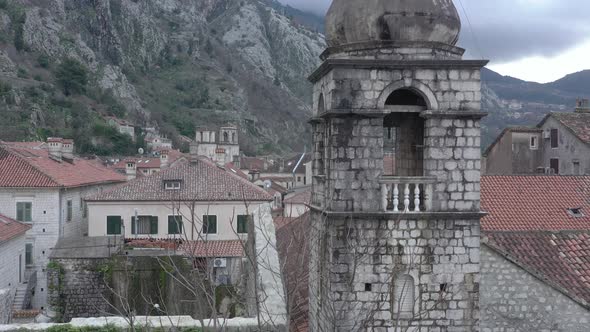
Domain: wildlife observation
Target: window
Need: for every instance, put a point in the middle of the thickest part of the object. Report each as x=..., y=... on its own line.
x=114, y=225
x=554, y=165
x=29, y=254
x=173, y=185
x=242, y=224
x=69, y=210
x=403, y=296
x=24, y=211
x=577, y=167
x=209, y=224
x=576, y=212
x=554, y=138
x=534, y=143
x=145, y=225
x=84, y=208
x=174, y=224
x=298, y=179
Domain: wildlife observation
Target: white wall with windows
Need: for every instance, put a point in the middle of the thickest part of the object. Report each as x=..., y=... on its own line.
x=223, y=221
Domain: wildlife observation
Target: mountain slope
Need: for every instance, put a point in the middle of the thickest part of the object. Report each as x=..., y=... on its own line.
x=170, y=63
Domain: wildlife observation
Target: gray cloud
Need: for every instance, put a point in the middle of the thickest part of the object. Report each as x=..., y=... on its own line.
x=507, y=30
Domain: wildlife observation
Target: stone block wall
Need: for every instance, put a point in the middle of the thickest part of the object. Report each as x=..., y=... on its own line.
x=355, y=163
x=355, y=263
x=514, y=300
x=452, y=154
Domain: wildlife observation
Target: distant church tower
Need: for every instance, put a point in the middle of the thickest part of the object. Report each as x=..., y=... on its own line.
x=396, y=186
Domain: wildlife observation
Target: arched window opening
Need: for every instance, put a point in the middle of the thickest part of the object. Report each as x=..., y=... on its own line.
x=405, y=97
x=403, y=144
x=404, y=296
x=233, y=138
x=225, y=137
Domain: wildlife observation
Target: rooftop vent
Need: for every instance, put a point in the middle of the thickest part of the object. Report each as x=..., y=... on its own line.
x=576, y=212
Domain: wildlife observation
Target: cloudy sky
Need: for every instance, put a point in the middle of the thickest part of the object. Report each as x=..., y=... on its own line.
x=535, y=40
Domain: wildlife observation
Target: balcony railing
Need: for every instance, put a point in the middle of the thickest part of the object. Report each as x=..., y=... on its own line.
x=406, y=194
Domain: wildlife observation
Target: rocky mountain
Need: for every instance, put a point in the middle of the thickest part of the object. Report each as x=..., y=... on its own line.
x=173, y=64
x=176, y=65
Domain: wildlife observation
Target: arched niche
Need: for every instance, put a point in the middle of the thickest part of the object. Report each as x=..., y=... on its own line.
x=321, y=104
x=404, y=92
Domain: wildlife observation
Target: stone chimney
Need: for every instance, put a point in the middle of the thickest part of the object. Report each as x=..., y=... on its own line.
x=130, y=169
x=67, y=150
x=54, y=147
x=194, y=152
x=164, y=161
x=254, y=175
x=583, y=105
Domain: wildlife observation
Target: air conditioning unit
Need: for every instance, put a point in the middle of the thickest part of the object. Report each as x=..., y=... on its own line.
x=220, y=262
x=546, y=134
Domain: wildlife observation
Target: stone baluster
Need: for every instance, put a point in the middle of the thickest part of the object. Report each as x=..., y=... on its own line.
x=407, y=198
x=417, y=198
x=384, y=196
x=395, y=197
x=428, y=197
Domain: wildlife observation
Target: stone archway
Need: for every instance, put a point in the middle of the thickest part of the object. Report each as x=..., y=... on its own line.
x=413, y=85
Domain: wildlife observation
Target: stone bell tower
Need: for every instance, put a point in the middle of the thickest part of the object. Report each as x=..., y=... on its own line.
x=396, y=186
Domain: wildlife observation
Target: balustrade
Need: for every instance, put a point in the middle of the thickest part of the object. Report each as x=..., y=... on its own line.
x=406, y=194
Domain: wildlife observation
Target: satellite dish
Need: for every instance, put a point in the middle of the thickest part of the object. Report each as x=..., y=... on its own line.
x=267, y=183
x=140, y=151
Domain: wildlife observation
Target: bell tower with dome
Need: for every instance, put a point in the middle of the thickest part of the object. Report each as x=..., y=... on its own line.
x=395, y=211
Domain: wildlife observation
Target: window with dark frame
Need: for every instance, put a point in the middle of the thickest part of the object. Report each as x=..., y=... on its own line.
x=554, y=138
x=534, y=143
x=554, y=165
x=24, y=211
x=114, y=225
x=29, y=254
x=174, y=225
x=242, y=224
x=209, y=224
x=69, y=210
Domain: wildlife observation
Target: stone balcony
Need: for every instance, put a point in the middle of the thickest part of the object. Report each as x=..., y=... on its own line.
x=406, y=194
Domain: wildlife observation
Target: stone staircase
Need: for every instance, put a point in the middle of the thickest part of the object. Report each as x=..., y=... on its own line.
x=19, y=297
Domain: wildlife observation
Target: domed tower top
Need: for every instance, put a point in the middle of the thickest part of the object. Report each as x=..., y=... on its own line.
x=362, y=21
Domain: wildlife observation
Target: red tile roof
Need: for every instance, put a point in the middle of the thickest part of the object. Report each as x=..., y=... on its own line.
x=560, y=259
x=150, y=162
x=303, y=197
x=28, y=165
x=200, y=181
x=232, y=168
x=230, y=248
x=10, y=228
x=292, y=242
x=536, y=202
x=577, y=123
x=251, y=163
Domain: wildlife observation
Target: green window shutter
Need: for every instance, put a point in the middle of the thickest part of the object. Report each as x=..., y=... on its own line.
x=113, y=225
x=20, y=212
x=242, y=224
x=212, y=224
x=28, y=211
x=174, y=225
x=133, y=225
x=154, y=225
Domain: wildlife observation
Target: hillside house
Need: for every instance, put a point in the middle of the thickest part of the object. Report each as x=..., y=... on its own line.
x=142, y=166
x=559, y=144
x=122, y=126
x=44, y=186
x=193, y=200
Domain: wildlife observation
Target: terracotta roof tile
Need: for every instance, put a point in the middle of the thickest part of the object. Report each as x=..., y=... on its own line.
x=525, y=203
x=10, y=228
x=232, y=248
x=561, y=259
x=303, y=197
x=200, y=181
x=27, y=165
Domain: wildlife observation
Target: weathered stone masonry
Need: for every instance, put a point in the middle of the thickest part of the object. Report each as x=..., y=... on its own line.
x=422, y=226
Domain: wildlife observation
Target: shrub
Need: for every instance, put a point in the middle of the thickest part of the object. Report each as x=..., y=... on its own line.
x=72, y=76
x=22, y=73
x=43, y=61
